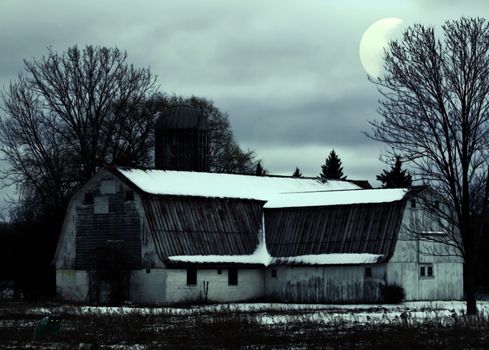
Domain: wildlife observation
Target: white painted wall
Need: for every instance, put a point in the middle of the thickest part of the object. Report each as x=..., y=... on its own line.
x=250, y=286
x=72, y=285
x=324, y=283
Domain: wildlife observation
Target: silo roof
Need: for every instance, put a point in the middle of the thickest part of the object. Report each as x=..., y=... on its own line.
x=181, y=116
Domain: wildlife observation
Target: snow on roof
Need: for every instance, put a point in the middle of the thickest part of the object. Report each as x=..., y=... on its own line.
x=262, y=257
x=322, y=198
x=331, y=259
x=259, y=257
x=188, y=183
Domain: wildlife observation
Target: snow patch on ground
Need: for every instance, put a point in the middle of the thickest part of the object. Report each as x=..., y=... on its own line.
x=444, y=312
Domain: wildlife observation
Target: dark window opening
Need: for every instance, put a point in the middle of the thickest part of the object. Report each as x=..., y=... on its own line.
x=233, y=276
x=436, y=204
x=368, y=272
x=274, y=273
x=148, y=270
x=129, y=195
x=88, y=198
x=219, y=271
x=426, y=270
x=191, y=277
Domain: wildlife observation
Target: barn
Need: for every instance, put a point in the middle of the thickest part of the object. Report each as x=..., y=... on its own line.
x=168, y=236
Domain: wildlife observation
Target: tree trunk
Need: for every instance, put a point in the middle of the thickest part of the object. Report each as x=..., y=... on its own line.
x=470, y=286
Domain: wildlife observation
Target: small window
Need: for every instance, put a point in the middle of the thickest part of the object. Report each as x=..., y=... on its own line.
x=219, y=271
x=413, y=203
x=426, y=270
x=274, y=273
x=368, y=272
x=436, y=204
x=129, y=195
x=148, y=270
x=191, y=277
x=233, y=277
x=88, y=198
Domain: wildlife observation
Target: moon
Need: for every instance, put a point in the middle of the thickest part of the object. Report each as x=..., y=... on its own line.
x=373, y=42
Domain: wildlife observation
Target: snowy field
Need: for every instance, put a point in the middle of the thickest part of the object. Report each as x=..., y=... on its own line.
x=445, y=312
x=250, y=326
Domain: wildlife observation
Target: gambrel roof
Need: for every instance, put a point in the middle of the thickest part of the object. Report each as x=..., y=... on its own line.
x=370, y=228
x=197, y=217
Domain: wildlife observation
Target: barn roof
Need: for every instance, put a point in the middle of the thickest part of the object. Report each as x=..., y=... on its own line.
x=202, y=184
x=209, y=218
x=203, y=226
x=336, y=229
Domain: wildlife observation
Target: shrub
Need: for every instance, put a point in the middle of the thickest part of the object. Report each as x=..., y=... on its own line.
x=392, y=294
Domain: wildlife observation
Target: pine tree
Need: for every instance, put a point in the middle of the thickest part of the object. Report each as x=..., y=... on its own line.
x=332, y=168
x=395, y=178
x=260, y=170
x=297, y=172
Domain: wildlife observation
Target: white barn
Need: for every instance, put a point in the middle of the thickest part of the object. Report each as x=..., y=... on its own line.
x=193, y=236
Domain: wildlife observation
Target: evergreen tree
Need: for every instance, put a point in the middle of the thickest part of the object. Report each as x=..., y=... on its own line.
x=297, y=172
x=332, y=168
x=260, y=170
x=395, y=178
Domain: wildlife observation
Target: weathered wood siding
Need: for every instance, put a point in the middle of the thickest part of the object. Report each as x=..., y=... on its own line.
x=94, y=229
x=410, y=253
x=325, y=284
x=200, y=226
x=365, y=228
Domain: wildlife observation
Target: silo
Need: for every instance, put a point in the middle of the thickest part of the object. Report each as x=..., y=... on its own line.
x=181, y=141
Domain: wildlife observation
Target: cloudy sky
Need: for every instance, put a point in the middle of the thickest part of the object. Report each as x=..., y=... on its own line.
x=287, y=72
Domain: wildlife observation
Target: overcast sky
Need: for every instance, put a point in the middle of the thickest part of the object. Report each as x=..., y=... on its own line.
x=288, y=73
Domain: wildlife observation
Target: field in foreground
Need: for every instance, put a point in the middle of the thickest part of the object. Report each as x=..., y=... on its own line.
x=437, y=325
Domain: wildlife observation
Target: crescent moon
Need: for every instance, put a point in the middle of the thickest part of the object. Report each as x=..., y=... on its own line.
x=372, y=44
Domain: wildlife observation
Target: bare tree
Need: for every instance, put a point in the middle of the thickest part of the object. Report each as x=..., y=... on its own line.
x=435, y=114
x=69, y=113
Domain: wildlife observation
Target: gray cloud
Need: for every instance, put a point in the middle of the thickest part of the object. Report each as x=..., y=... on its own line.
x=287, y=72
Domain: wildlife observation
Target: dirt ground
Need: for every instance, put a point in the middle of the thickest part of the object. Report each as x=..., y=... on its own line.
x=228, y=329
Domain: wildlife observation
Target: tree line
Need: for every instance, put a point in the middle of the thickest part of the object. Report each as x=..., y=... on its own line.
x=332, y=169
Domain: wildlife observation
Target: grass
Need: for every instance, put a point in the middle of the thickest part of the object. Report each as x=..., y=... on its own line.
x=227, y=328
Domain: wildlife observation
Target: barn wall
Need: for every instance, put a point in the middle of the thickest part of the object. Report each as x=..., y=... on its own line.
x=109, y=217
x=404, y=269
x=149, y=256
x=410, y=253
x=250, y=286
x=324, y=284
x=147, y=286
x=72, y=285
x=66, y=249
